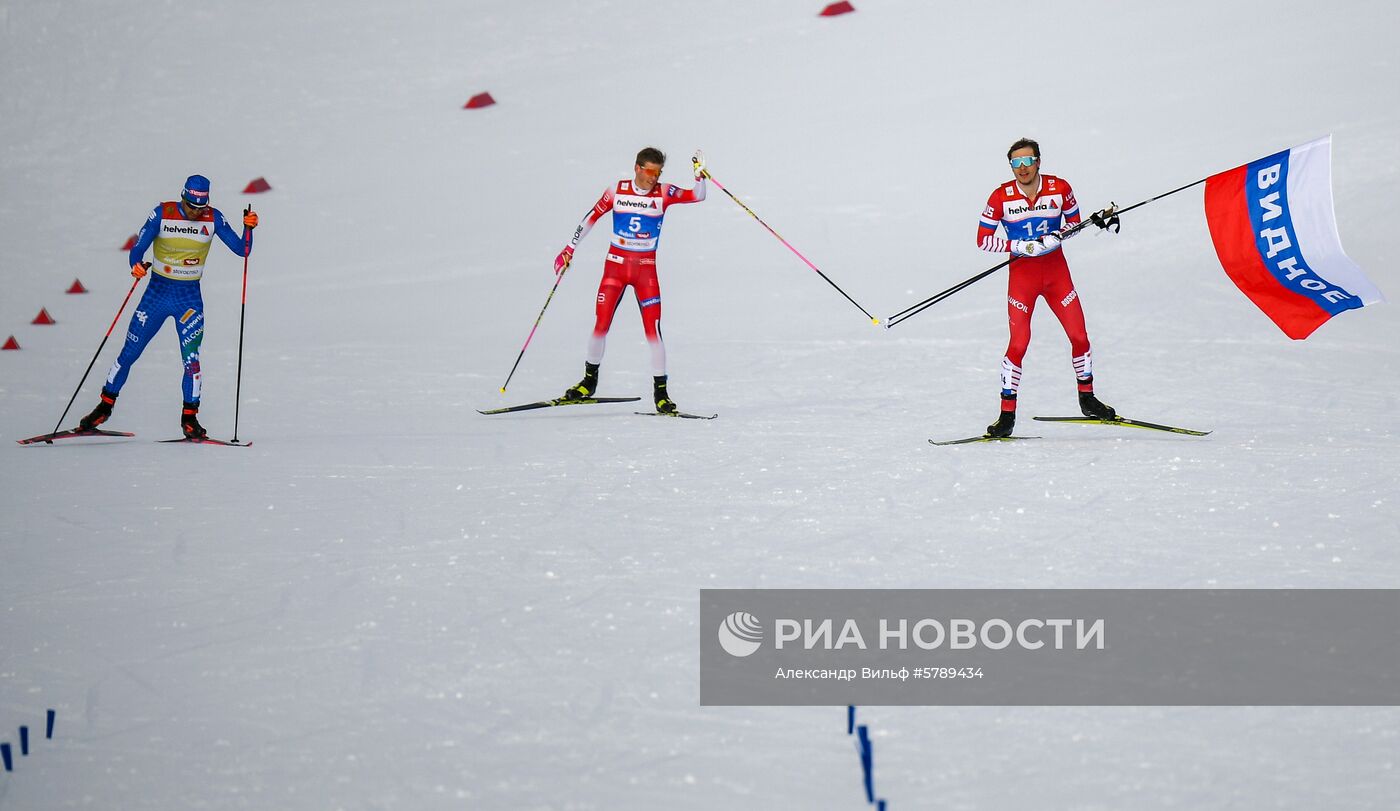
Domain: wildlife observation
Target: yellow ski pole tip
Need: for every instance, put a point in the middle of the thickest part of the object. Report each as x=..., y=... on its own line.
x=875, y=321
x=503, y=389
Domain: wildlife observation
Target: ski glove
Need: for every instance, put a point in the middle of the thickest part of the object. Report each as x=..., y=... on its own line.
x=1106, y=219
x=139, y=269
x=250, y=219
x=561, y=262
x=1033, y=247
x=697, y=161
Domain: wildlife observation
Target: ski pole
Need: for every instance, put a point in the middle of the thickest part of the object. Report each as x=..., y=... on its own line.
x=242, y=311
x=538, y=319
x=708, y=176
x=906, y=314
x=1104, y=219
x=115, y=319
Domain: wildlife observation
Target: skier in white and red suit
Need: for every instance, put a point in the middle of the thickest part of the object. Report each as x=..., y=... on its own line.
x=638, y=205
x=1032, y=209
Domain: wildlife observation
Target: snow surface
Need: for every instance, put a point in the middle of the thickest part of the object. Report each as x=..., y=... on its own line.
x=390, y=601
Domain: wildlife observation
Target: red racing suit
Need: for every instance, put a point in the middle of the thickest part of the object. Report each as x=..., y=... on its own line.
x=1031, y=277
x=636, y=229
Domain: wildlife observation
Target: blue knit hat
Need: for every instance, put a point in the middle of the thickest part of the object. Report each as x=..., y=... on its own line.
x=196, y=190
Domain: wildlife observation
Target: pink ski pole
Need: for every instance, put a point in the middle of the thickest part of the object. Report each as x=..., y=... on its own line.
x=711, y=177
x=531, y=336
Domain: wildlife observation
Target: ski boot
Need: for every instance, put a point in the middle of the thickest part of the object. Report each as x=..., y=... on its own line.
x=585, y=387
x=100, y=414
x=189, y=423
x=664, y=403
x=1090, y=406
x=1007, y=419
x=1002, y=427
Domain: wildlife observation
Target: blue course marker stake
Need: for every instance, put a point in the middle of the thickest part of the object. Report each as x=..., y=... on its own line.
x=867, y=762
x=5, y=755
x=24, y=741
x=880, y=806
x=48, y=729
x=850, y=719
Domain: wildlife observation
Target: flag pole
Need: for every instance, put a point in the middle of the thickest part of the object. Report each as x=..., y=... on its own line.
x=1160, y=196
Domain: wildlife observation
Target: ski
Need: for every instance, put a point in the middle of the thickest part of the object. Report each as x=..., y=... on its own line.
x=559, y=402
x=209, y=441
x=70, y=434
x=680, y=414
x=983, y=438
x=1124, y=422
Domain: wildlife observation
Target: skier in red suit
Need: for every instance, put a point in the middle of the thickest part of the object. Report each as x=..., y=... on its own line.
x=1032, y=209
x=638, y=205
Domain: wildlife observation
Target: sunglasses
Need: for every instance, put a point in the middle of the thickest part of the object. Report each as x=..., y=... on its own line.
x=649, y=172
x=1026, y=160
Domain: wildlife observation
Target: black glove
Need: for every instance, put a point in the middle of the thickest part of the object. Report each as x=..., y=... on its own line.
x=1106, y=219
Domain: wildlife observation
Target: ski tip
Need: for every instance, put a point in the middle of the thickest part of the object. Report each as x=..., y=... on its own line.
x=982, y=438
x=207, y=441
x=72, y=433
x=1124, y=422
x=678, y=415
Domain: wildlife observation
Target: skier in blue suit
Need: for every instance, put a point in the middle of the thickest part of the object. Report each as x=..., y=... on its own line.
x=179, y=234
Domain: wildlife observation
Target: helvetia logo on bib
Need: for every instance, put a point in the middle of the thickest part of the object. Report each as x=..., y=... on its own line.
x=740, y=634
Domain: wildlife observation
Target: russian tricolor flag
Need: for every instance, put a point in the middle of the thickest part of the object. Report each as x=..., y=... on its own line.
x=1275, y=232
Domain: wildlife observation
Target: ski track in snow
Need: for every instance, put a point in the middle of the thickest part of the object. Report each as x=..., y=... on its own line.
x=391, y=601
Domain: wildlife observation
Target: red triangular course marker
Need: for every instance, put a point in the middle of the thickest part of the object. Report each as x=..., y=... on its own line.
x=76, y=288
x=478, y=101
x=842, y=7
x=130, y=243
x=43, y=317
x=259, y=185
x=11, y=344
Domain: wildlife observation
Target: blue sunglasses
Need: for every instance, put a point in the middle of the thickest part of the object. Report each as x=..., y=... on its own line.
x=1027, y=160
